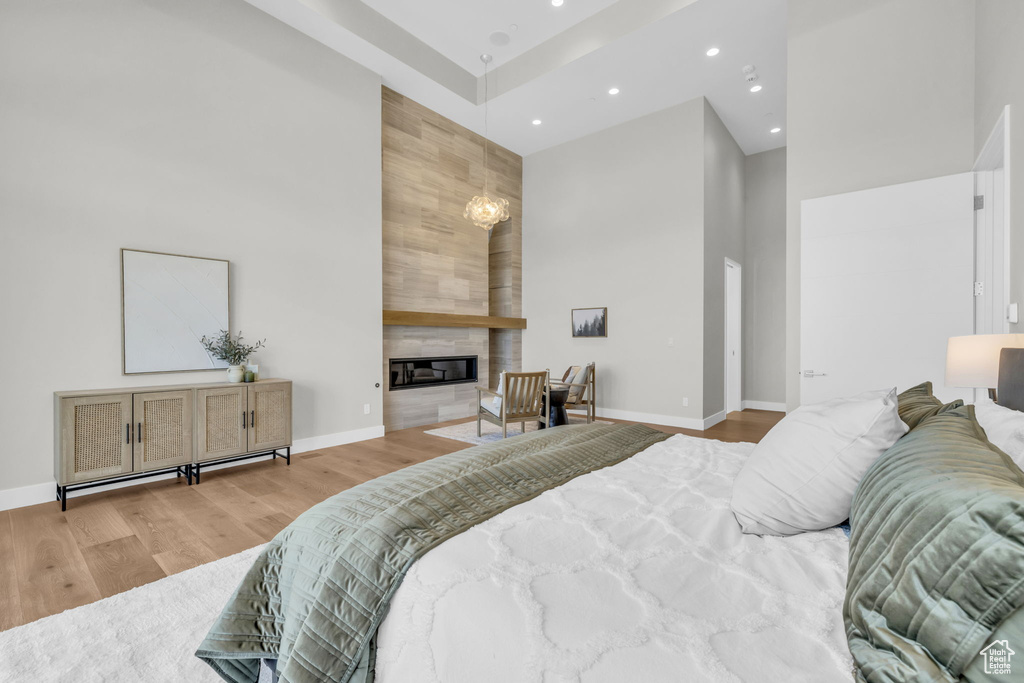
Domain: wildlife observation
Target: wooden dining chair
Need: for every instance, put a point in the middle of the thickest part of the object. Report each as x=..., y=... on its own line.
x=521, y=397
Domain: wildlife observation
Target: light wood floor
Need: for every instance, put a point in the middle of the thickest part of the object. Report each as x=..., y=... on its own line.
x=110, y=542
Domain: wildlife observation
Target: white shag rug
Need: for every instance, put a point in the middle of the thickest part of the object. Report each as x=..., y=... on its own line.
x=491, y=432
x=148, y=634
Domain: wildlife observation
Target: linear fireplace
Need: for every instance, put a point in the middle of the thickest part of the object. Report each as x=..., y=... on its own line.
x=412, y=373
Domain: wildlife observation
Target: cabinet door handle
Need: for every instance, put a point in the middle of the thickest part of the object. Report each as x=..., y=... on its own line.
x=252, y=418
x=243, y=419
x=128, y=433
x=140, y=432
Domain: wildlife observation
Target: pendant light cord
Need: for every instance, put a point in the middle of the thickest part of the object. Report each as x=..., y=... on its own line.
x=486, y=131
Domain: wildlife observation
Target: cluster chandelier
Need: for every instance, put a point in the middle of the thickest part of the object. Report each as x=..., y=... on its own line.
x=482, y=210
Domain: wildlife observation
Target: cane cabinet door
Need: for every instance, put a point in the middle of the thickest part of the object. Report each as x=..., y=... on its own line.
x=163, y=429
x=222, y=417
x=270, y=415
x=96, y=438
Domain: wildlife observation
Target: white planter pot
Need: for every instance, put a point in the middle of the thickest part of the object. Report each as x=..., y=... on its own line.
x=236, y=373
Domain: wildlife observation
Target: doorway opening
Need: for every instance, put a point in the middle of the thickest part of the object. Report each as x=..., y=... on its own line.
x=733, y=336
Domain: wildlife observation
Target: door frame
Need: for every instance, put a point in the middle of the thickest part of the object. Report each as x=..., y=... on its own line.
x=736, y=266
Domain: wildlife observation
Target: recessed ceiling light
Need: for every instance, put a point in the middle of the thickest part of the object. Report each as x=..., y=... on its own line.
x=536, y=122
x=613, y=91
x=711, y=53
x=775, y=130
x=756, y=88
x=557, y=3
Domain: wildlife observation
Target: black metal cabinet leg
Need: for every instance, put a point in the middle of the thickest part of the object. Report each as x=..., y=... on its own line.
x=288, y=456
x=197, y=474
x=62, y=495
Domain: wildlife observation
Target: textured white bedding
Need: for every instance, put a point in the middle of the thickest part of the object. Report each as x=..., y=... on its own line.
x=637, y=572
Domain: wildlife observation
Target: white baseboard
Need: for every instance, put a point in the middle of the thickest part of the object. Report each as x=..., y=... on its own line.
x=764, y=405
x=651, y=418
x=28, y=495
x=711, y=421
x=46, y=492
x=315, y=443
x=682, y=422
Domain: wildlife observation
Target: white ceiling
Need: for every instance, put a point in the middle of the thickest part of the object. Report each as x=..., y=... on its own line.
x=461, y=29
x=561, y=62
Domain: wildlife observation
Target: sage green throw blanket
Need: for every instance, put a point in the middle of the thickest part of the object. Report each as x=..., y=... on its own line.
x=317, y=593
x=936, y=552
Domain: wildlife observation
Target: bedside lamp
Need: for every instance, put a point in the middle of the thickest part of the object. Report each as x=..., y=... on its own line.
x=973, y=361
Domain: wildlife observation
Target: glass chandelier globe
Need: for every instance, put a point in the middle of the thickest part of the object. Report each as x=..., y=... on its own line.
x=486, y=212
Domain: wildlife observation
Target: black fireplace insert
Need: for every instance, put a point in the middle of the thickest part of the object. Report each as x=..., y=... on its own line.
x=413, y=373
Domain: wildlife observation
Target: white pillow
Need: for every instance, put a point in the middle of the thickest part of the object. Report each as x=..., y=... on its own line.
x=1004, y=427
x=802, y=475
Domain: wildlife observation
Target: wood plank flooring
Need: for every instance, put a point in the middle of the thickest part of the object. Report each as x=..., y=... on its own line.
x=110, y=542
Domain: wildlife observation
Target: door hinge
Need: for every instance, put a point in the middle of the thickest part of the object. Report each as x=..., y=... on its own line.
x=979, y=289
x=979, y=202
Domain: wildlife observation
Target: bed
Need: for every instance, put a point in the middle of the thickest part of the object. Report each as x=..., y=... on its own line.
x=634, y=572
x=601, y=553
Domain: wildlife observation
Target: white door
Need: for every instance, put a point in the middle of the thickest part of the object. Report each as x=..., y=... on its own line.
x=887, y=276
x=991, y=255
x=733, y=336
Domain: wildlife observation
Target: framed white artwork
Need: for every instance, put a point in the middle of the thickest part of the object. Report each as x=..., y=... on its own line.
x=168, y=303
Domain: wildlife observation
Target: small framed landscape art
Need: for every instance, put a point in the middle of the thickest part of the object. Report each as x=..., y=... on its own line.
x=590, y=322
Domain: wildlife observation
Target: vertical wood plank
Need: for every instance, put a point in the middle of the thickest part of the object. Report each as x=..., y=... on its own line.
x=52, y=573
x=10, y=600
x=120, y=565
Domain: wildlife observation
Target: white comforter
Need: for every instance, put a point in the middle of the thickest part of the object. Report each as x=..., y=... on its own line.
x=637, y=572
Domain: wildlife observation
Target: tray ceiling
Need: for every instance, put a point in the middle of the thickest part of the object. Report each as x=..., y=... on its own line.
x=560, y=62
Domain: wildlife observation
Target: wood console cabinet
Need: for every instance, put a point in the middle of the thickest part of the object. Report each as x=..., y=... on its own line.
x=117, y=435
x=236, y=421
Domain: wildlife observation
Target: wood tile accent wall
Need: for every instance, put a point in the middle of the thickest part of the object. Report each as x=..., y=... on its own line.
x=436, y=261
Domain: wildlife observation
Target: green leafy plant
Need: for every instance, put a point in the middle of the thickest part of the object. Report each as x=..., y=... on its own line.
x=232, y=351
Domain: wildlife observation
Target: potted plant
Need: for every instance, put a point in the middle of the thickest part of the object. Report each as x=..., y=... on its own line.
x=231, y=350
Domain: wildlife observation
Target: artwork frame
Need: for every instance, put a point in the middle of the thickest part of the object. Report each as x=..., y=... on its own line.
x=589, y=322
x=168, y=303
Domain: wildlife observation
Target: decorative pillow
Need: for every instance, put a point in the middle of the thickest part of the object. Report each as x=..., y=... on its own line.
x=570, y=374
x=918, y=403
x=802, y=475
x=936, y=553
x=576, y=393
x=1004, y=428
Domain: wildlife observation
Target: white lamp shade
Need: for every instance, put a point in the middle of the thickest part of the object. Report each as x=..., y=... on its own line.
x=973, y=361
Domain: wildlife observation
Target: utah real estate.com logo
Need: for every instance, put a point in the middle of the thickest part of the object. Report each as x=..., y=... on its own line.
x=997, y=656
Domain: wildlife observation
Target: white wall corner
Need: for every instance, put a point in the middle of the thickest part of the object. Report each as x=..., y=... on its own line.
x=47, y=491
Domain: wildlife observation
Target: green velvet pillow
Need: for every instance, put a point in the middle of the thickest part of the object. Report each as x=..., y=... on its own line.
x=918, y=403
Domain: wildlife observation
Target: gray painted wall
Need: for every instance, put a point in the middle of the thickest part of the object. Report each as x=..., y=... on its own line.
x=723, y=238
x=998, y=81
x=879, y=92
x=616, y=219
x=764, y=278
x=191, y=127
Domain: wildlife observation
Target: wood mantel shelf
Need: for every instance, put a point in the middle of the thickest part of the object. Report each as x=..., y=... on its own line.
x=421, y=319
